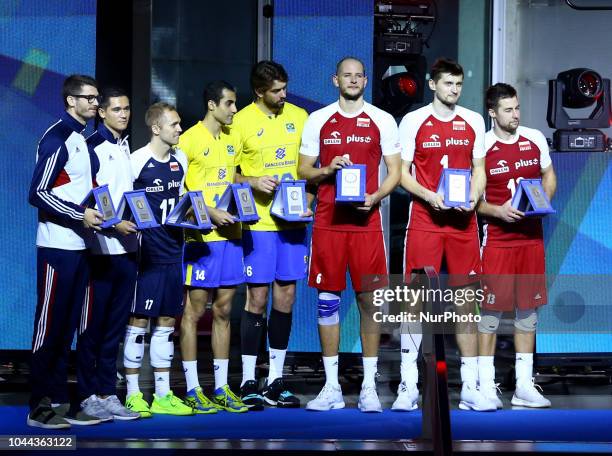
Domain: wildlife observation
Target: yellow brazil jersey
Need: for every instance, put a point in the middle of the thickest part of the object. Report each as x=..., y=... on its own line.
x=270, y=146
x=212, y=166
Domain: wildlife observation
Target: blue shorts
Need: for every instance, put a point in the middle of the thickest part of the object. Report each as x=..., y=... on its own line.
x=274, y=255
x=159, y=290
x=213, y=264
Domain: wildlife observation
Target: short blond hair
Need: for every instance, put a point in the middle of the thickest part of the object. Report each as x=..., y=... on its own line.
x=155, y=112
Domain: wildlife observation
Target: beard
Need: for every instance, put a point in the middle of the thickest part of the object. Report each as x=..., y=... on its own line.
x=509, y=128
x=449, y=104
x=352, y=96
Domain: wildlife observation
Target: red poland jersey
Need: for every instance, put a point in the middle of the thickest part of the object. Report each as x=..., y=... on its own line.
x=365, y=136
x=507, y=162
x=433, y=143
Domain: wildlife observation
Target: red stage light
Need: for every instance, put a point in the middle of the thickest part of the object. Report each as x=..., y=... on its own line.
x=408, y=86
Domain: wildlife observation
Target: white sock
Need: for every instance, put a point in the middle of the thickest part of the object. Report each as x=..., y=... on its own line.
x=369, y=371
x=524, y=368
x=409, y=369
x=220, y=368
x=132, y=384
x=277, y=361
x=191, y=374
x=486, y=371
x=248, y=368
x=330, y=363
x=162, y=383
x=469, y=370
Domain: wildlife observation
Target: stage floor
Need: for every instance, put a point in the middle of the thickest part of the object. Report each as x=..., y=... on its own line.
x=579, y=421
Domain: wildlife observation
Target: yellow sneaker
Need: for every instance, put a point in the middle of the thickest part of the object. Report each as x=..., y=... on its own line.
x=225, y=399
x=170, y=405
x=136, y=403
x=196, y=399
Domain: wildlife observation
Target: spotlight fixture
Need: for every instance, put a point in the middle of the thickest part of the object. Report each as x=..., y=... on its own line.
x=401, y=29
x=579, y=88
x=403, y=85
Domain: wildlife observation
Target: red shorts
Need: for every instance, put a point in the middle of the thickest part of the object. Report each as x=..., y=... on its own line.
x=461, y=251
x=363, y=252
x=514, y=277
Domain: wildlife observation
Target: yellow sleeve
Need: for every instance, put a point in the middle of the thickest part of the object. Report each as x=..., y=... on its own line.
x=185, y=145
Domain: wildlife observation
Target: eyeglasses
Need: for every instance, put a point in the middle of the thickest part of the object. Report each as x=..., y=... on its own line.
x=90, y=98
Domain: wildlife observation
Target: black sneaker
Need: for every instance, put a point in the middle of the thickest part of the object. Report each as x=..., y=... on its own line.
x=75, y=416
x=44, y=417
x=276, y=394
x=250, y=396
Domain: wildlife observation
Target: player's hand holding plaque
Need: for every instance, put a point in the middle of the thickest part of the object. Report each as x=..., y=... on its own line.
x=454, y=186
x=531, y=199
x=100, y=198
x=135, y=207
x=350, y=184
x=239, y=202
x=290, y=201
x=190, y=212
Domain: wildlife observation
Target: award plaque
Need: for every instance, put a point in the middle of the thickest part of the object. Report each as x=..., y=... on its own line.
x=135, y=207
x=238, y=201
x=531, y=198
x=179, y=216
x=100, y=198
x=454, y=186
x=290, y=201
x=350, y=184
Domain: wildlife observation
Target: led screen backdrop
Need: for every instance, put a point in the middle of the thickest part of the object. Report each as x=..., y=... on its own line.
x=308, y=40
x=40, y=43
x=578, y=318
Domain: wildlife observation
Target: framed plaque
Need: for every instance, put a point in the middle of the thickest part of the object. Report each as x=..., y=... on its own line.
x=180, y=214
x=454, y=186
x=238, y=201
x=350, y=184
x=531, y=198
x=135, y=207
x=290, y=201
x=100, y=198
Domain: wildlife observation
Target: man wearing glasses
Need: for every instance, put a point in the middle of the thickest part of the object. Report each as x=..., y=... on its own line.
x=61, y=181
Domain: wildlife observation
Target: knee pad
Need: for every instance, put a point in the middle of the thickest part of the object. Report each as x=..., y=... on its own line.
x=526, y=320
x=489, y=321
x=327, y=307
x=162, y=347
x=133, y=347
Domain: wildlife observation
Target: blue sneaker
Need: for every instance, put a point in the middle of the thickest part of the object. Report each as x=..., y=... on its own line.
x=196, y=399
x=225, y=399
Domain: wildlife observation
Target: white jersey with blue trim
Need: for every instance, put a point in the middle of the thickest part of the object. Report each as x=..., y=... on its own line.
x=163, y=184
x=111, y=164
x=60, y=182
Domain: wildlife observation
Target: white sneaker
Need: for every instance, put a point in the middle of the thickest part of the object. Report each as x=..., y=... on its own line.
x=490, y=393
x=527, y=395
x=407, y=398
x=368, y=400
x=472, y=399
x=92, y=406
x=117, y=410
x=329, y=398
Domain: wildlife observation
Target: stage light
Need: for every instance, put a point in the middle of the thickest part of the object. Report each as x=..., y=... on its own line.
x=401, y=29
x=582, y=87
x=579, y=88
x=402, y=83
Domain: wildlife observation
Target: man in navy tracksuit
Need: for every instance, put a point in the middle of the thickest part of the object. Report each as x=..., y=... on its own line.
x=113, y=266
x=62, y=179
